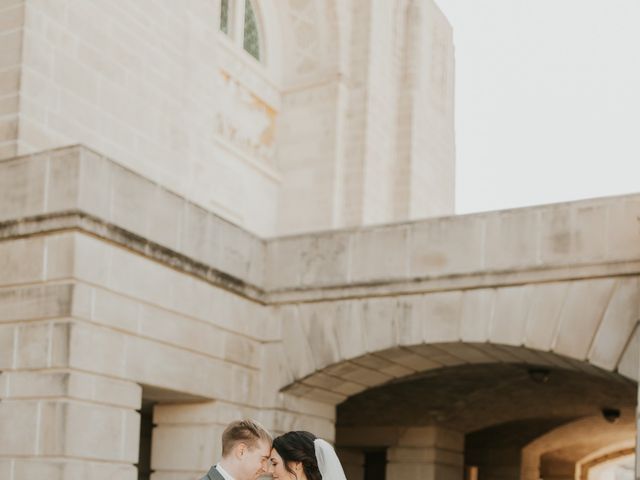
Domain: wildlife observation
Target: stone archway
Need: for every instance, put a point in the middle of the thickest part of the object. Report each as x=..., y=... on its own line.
x=337, y=350
x=530, y=289
x=577, y=446
x=621, y=458
x=478, y=412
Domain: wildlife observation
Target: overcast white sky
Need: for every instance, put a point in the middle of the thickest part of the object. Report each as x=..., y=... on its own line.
x=547, y=100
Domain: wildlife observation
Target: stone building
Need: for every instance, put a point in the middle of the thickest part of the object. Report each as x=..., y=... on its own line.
x=215, y=209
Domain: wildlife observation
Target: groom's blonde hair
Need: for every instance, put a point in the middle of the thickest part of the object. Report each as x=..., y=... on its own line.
x=247, y=431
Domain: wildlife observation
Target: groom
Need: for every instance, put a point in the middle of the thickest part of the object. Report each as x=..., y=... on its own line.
x=246, y=447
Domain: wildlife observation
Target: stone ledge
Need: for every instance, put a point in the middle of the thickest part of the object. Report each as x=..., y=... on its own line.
x=76, y=220
x=471, y=281
x=44, y=186
x=75, y=188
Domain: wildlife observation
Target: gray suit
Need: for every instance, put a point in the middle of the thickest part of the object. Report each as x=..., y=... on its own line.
x=213, y=474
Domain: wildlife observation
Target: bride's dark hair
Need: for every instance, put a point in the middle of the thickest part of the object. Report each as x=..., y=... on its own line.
x=298, y=447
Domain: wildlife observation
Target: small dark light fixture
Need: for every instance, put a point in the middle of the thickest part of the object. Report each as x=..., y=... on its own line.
x=611, y=415
x=539, y=375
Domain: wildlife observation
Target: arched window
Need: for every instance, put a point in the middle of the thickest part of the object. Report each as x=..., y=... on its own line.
x=238, y=20
x=224, y=16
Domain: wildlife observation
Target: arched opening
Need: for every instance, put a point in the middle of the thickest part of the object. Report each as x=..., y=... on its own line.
x=493, y=411
x=617, y=465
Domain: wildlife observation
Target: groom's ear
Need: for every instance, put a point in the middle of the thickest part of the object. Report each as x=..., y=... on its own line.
x=240, y=449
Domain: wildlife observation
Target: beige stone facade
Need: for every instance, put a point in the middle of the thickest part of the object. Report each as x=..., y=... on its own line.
x=327, y=130
x=189, y=235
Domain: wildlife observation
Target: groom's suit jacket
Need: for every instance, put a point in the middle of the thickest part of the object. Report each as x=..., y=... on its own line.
x=213, y=474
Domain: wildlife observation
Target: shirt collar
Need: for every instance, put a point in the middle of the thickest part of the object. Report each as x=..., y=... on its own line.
x=223, y=472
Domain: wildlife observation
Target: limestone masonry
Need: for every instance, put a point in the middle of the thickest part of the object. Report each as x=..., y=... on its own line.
x=221, y=209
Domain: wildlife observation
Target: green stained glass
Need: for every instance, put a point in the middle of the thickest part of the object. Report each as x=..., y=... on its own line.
x=251, y=36
x=224, y=16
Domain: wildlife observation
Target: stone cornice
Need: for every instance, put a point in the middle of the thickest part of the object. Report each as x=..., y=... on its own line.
x=79, y=221
x=75, y=189
x=82, y=222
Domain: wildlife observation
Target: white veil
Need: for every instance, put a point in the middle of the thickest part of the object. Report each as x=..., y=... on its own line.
x=328, y=463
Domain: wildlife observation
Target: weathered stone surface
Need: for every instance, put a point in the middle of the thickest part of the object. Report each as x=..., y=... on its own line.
x=298, y=351
x=65, y=469
x=437, y=354
x=546, y=301
x=409, y=319
x=510, y=314
x=115, y=310
x=571, y=232
x=22, y=261
x=467, y=353
x=165, y=225
x=63, y=180
x=33, y=302
x=629, y=365
x=7, y=341
x=198, y=238
x=379, y=319
x=192, y=448
x=409, y=359
x=18, y=428
x=132, y=198
x=476, y=314
x=591, y=224
x=93, y=260
x=95, y=186
x=98, y=350
x=440, y=316
x=512, y=239
x=447, y=245
x=32, y=349
x=352, y=463
x=59, y=254
x=581, y=314
x=367, y=245
x=22, y=191
x=431, y=452
x=312, y=260
x=318, y=325
x=620, y=318
x=623, y=228
x=113, y=436
x=237, y=250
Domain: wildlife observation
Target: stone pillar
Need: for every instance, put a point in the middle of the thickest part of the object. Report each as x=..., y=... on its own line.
x=352, y=462
x=427, y=453
x=186, y=439
x=68, y=425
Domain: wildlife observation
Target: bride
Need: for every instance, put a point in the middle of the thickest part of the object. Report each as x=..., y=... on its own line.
x=302, y=456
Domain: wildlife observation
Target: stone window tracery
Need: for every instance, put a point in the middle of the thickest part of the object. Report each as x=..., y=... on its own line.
x=239, y=20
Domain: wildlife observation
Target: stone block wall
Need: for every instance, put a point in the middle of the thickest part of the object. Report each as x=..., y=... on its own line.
x=159, y=89
x=11, y=40
x=129, y=80
x=369, y=156
x=100, y=311
x=115, y=291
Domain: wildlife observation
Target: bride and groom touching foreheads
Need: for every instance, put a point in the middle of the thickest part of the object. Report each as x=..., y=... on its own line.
x=249, y=452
